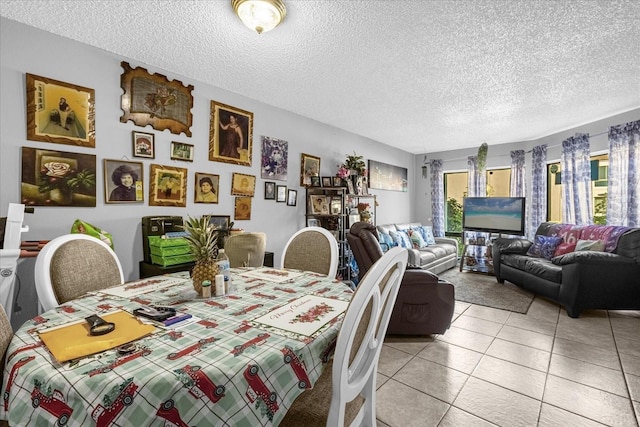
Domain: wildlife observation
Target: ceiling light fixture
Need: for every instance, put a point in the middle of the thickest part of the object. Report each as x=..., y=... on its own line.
x=260, y=15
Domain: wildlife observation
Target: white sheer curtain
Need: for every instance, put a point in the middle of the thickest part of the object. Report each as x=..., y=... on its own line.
x=476, y=178
x=537, y=201
x=576, y=180
x=623, y=201
x=437, y=197
x=518, y=169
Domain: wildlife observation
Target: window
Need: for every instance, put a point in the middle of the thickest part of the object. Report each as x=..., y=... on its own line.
x=599, y=174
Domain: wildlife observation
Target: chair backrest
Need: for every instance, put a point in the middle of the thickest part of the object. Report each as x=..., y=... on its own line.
x=363, y=241
x=246, y=249
x=361, y=336
x=312, y=249
x=71, y=265
x=6, y=333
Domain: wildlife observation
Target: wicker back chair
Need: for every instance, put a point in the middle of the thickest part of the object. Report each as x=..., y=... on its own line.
x=312, y=249
x=246, y=249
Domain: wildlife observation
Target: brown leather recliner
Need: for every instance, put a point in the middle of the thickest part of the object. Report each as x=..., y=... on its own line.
x=424, y=305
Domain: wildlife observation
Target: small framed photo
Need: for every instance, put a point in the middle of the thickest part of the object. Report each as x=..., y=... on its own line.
x=242, y=208
x=326, y=181
x=315, y=181
x=243, y=185
x=337, y=181
x=292, y=197
x=336, y=205
x=168, y=186
x=350, y=187
x=269, y=190
x=480, y=241
x=123, y=181
x=206, y=188
x=281, y=193
x=220, y=222
x=319, y=204
x=310, y=167
x=353, y=219
x=312, y=222
x=143, y=144
x=181, y=151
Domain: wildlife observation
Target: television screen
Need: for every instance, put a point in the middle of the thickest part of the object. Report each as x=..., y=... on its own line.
x=494, y=214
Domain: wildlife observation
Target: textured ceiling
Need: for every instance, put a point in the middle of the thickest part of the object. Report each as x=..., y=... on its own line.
x=423, y=76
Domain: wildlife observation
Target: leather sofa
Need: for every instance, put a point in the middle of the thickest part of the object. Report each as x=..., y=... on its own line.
x=436, y=258
x=424, y=304
x=608, y=280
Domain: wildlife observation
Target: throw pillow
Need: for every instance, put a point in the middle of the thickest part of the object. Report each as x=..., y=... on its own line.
x=427, y=234
x=386, y=242
x=564, y=248
x=590, y=245
x=417, y=240
x=544, y=246
x=402, y=239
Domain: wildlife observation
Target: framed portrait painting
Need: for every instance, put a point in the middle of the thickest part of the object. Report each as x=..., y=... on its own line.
x=151, y=99
x=281, y=193
x=275, y=153
x=168, y=186
x=60, y=112
x=326, y=181
x=242, y=209
x=58, y=178
x=269, y=190
x=206, y=188
x=181, y=151
x=123, y=181
x=230, y=134
x=243, y=185
x=309, y=167
x=143, y=144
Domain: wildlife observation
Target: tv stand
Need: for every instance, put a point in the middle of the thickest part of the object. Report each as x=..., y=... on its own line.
x=476, y=252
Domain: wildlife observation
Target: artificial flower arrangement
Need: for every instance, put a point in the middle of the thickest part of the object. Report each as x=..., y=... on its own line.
x=352, y=163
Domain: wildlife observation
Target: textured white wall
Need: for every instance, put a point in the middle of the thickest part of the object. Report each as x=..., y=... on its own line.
x=24, y=49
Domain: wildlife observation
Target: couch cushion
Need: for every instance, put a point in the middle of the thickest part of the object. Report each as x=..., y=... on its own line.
x=427, y=234
x=544, y=269
x=544, y=246
x=590, y=245
x=386, y=228
x=515, y=260
x=417, y=240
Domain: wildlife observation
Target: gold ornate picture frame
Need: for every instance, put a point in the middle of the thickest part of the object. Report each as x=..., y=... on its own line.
x=167, y=186
x=59, y=112
x=207, y=188
x=243, y=185
x=230, y=134
x=151, y=99
x=309, y=167
x=242, y=209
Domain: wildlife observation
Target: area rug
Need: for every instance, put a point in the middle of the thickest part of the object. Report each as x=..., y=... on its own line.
x=482, y=289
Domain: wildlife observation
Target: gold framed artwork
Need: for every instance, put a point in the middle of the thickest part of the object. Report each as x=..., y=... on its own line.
x=181, y=151
x=60, y=112
x=143, y=144
x=123, y=181
x=168, y=186
x=319, y=204
x=230, y=134
x=206, y=188
x=243, y=185
x=151, y=99
x=58, y=178
x=242, y=209
x=309, y=167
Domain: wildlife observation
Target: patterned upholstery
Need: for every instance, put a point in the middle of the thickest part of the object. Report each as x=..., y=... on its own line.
x=6, y=333
x=246, y=249
x=72, y=265
x=312, y=249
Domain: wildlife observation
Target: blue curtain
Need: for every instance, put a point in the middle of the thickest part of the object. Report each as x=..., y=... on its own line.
x=518, y=185
x=623, y=190
x=537, y=202
x=576, y=180
x=476, y=178
x=437, y=197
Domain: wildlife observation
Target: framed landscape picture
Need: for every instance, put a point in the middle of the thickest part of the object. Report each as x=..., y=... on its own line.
x=206, y=188
x=123, y=181
x=143, y=144
x=168, y=186
x=383, y=176
x=221, y=222
x=60, y=112
x=181, y=151
x=243, y=185
x=230, y=134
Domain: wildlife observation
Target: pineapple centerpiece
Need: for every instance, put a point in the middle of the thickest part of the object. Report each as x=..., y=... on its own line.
x=203, y=241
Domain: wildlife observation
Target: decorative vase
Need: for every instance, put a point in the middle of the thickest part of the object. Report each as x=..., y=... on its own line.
x=60, y=196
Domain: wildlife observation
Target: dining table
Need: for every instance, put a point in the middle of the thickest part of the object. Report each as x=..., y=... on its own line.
x=239, y=359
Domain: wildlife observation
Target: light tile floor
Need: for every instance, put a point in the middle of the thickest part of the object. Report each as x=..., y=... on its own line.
x=495, y=367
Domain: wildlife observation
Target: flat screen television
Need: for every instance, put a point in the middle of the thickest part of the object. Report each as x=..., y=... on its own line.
x=494, y=214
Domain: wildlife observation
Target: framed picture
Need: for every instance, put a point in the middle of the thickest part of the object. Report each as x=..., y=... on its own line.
x=242, y=208
x=243, y=185
x=326, y=181
x=292, y=197
x=274, y=159
x=123, y=181
x=230, y=134
x=143, y=144
x=58, y=178
x=309, y=166
x=168, y=186
x=480, y=241
x=383, y=176
x=312, y=222
x=319, y=204
x=60, y=112
x=206, y=188
x=281, y=193
x=221, y=222
x=350, y=188
x=315, y=181
x=337, y=181
x=336, y=205
x=353, y=219
x=181, y=151
x=151, y=99
x=269, y=190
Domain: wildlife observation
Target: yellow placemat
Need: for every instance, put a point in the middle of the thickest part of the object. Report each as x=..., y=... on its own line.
x=73, y=341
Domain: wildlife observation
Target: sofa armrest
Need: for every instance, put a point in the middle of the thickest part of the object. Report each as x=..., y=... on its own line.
x=419, y=277
x=592, y=257
x=414, y=257
x=511, y=246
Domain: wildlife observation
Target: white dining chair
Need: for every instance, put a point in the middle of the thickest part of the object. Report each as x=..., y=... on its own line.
x=246, y=249
x=345, y=393
x=312, y=249
x=72, y=265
